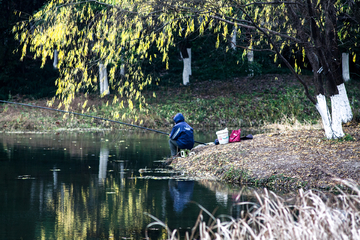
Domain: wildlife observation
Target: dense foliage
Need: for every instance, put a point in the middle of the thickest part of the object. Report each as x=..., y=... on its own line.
x=135, y=33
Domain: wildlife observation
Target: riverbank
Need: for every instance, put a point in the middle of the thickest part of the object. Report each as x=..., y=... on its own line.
x=283, y=160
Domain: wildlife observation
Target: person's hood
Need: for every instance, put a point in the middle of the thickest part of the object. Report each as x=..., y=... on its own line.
x=179, y=118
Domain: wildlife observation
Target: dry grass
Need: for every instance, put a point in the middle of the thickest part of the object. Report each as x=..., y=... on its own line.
x=312, y=215
x=282, y=159
x=291, y=124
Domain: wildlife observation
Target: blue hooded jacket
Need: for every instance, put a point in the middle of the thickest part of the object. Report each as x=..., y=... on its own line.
x=182, y=133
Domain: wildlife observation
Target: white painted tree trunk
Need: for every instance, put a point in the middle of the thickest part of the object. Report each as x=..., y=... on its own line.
x=340, y=112
x=122, y=67
x=233, y=39
x=189, y=53
x=104, y=84
x=346, y=112
x=103, y=159
x=325, y=115
x=187, y=67
x=336, y=117
x=250, y=56
x=345, y=66
x=55, y=59
x=122, y=70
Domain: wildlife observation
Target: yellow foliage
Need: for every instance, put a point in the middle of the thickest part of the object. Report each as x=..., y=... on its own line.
x=131, y=106
x=123, y=32
x=217, y=41
x=84, y=105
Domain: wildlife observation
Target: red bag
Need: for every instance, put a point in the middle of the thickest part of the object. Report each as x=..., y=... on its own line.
x=235, y=136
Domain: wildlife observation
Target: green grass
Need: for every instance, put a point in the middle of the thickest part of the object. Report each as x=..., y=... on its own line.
x=203, y=107
x=245, y=110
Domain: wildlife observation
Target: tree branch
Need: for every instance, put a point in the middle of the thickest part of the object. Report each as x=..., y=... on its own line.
x=255, y=27
x=283, y=58
x=94, y=1
x=254, y=49
x=271, y=3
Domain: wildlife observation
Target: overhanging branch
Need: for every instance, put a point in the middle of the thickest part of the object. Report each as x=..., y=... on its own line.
x=255, y=27
x=283, y=58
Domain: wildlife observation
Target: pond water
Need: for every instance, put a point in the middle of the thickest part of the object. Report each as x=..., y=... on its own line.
x=88, y=186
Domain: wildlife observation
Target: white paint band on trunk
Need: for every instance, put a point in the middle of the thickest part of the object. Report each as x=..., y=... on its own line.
x=233, y=39
x=345, y=66
x=186, y=71
x=189, y=53
x=122, y=67
x=325, y=115
x=122, y=70
x=104, y=85
x=250, y=56
x=55, y=59
x=346, y=112
x=187, y=67
x=340, y=110
x=336, y=116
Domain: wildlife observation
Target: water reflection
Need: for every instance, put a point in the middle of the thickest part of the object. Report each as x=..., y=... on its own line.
x=55, y=176
x=103, y=159
x=181, y=193
x=87, y=186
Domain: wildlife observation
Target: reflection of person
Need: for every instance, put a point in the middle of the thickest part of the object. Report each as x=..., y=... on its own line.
x=181, y=192
x=181, y=135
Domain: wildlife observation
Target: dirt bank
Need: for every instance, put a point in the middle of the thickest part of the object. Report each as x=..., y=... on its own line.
x=289, y=159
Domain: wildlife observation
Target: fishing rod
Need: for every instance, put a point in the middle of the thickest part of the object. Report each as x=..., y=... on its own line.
x=85, y=115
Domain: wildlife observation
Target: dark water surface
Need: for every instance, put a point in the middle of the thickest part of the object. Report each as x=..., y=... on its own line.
x=88, y=186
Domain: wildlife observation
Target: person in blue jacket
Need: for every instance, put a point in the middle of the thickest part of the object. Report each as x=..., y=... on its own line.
x=181, y=136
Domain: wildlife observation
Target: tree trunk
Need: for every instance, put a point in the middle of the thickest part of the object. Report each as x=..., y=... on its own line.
x=336, y=123
x=122, y=70
x=322, y=108
x=340, y=112
x=187, y=66
x=55, y=59
x=250, y=57
x=323, y=54
x=345, y=67
x=233, y=39
x=122, y=67
x=340, y=105
x=329, y=58
x=104, y=85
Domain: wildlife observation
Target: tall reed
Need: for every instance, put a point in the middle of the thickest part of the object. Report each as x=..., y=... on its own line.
x=311, y=215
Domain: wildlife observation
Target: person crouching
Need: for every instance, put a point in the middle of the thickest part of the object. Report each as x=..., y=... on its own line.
x=181, y=136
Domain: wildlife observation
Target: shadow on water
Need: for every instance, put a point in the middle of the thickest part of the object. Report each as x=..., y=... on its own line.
x=88, y=186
